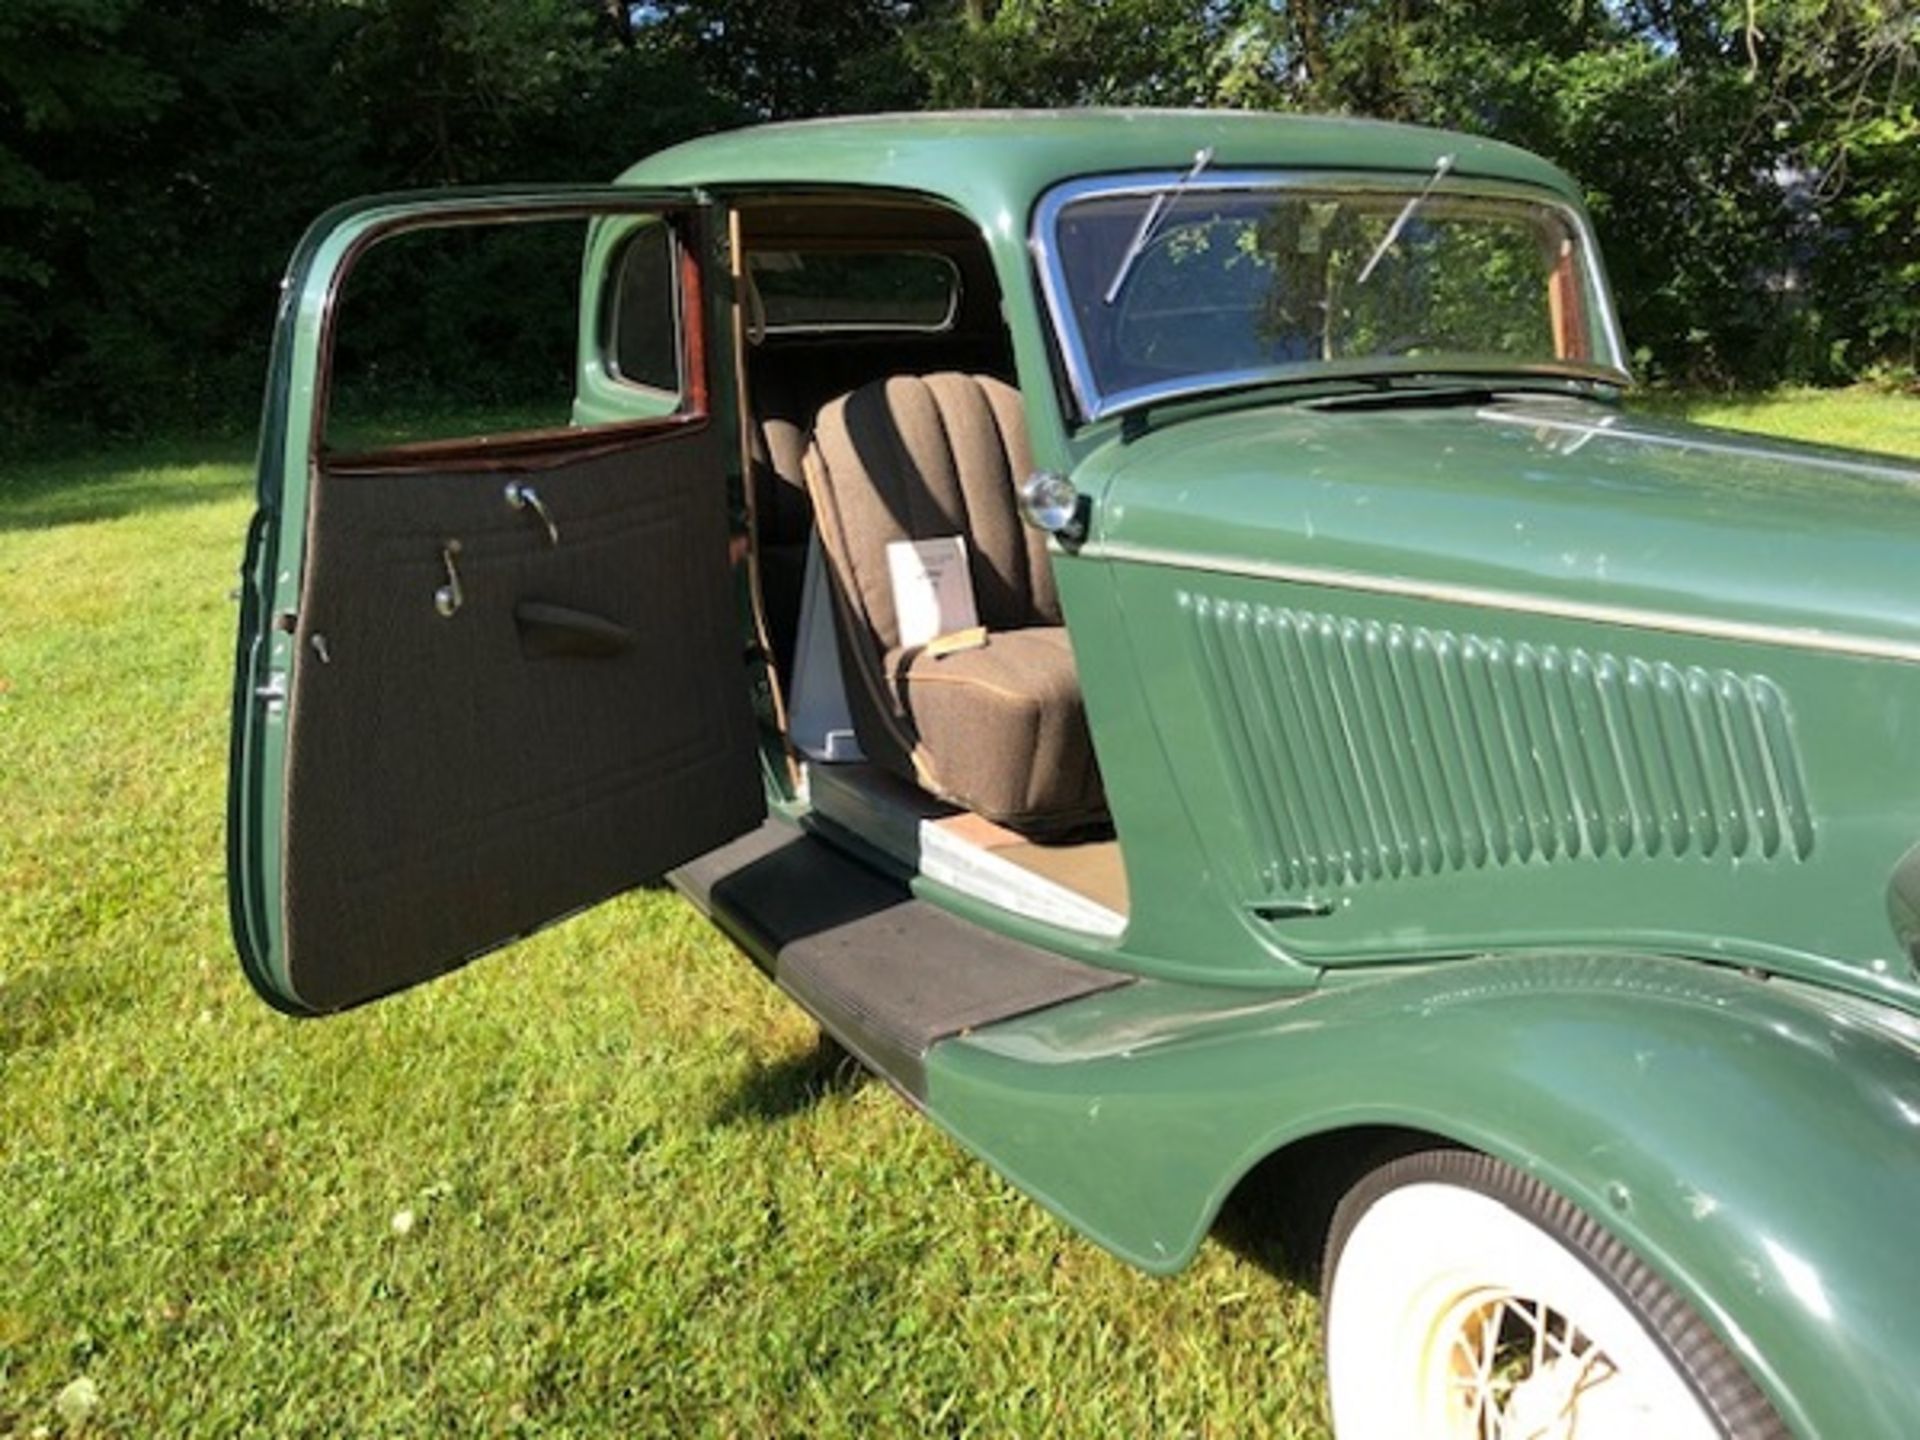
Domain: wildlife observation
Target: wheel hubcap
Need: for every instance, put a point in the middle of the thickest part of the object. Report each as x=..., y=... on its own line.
x=1517, y=1369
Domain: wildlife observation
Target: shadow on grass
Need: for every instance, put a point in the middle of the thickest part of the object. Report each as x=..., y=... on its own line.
x=114, y=502
x=73, y=480
x=1281, y=1214
x=773, y=1092
x=1269, y=1223
x=125, y=480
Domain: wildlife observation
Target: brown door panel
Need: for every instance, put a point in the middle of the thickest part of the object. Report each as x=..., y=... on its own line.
x=450, y=784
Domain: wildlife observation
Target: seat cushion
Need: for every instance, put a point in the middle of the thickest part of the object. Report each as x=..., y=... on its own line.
x=1001, y=729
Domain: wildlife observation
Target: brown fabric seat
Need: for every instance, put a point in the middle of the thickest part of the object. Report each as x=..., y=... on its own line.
x=999, y=730
x=783, y=523
x=1002, y=729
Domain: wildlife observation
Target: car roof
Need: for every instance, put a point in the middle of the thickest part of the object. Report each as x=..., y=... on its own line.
x=995, y=163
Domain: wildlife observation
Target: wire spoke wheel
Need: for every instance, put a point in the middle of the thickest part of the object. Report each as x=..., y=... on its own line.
x=1466, y=1301
x=1521, y=1370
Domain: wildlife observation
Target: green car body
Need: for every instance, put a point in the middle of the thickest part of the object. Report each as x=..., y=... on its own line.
x=1493, y=765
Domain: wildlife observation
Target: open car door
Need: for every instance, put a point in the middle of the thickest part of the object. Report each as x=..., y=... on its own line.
x=484, y=682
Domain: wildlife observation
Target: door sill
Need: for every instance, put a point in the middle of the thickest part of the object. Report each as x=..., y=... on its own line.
x=1078, y=886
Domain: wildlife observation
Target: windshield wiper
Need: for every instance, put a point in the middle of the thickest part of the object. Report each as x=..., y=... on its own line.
x=1440, y=169
x=1149, y=222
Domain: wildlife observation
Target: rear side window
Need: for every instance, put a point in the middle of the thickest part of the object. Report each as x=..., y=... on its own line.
x=815, y=290
x=645, y=344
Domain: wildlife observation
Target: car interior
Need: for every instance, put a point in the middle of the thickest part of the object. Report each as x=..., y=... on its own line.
x=882, y=416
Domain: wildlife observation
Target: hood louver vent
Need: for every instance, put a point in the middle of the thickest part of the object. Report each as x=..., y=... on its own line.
x=1363, y=751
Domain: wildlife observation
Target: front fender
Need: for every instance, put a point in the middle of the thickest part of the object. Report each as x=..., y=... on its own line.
x=1757, y=1143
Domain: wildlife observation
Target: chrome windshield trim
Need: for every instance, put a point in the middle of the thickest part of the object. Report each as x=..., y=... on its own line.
x=1670, y=621
x=1093, y=405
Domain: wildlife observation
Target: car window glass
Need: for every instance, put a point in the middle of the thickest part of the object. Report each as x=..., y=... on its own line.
x=1243, y=289
x=801, y=290
x=645, y=345
x=1234, y=282
x=456, y=330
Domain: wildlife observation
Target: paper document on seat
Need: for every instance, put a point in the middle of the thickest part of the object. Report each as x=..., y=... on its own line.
x=932, y=589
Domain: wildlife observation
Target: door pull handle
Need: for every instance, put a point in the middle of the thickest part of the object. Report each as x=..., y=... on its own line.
x=522, y=496
x=556, y=630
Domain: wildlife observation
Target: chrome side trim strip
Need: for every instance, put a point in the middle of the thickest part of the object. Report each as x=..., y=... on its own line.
x=1670, y=621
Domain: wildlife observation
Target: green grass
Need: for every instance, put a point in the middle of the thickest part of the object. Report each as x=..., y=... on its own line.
x=1862, y=418
x=643, y=1199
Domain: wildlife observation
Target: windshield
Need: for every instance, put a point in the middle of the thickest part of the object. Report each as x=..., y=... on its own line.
x=1236, y=283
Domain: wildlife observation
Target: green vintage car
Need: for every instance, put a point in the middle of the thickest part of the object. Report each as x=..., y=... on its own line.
x=1156, y=629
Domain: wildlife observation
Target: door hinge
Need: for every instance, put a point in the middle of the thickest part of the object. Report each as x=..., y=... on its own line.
x=273, y=691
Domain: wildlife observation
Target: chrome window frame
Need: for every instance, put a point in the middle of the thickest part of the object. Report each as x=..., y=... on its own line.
x=1093, y=404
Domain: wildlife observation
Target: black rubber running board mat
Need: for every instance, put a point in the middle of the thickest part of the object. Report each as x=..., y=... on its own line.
x=888, y=974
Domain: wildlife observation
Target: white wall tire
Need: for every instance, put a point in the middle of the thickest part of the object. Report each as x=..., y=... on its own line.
x=1466, y=1301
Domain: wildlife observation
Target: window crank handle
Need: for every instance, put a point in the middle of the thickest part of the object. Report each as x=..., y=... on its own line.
x=522, y=496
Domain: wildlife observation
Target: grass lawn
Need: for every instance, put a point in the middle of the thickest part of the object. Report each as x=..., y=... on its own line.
x=1862, y=418
x=604, y=1183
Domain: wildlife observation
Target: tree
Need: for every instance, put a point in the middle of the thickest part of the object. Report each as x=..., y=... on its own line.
x=1753, y=165
x=787, y=61
x=72, y=94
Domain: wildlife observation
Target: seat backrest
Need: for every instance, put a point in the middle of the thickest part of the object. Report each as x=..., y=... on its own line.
x=920, y=458
x=777, y=443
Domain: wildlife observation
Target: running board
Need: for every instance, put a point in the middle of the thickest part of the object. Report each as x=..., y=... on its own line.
x=887, y=974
